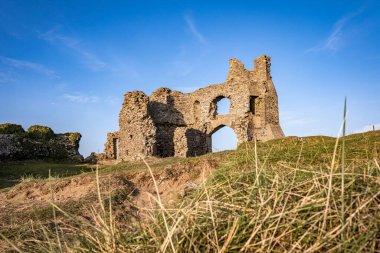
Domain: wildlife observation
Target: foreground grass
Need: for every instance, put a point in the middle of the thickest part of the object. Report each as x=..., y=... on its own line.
x=287, y=195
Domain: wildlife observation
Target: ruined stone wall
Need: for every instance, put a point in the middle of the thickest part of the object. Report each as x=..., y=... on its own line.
x=22, y=146
x=171, y=123
x=137, y=134
x=112, y=145
x=171, y=112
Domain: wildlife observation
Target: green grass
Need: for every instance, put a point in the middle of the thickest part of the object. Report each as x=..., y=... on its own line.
x=12, y=173
x=286, y=195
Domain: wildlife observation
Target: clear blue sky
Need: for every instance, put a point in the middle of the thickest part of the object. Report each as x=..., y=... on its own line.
x=67, y=64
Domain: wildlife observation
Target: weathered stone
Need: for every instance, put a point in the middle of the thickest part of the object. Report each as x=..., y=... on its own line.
x=91, y=159
x=111, y=145
x=171, y=123
x=40, y=143
x=137, y=131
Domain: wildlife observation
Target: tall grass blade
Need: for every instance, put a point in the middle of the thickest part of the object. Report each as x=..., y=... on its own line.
x=343, y=165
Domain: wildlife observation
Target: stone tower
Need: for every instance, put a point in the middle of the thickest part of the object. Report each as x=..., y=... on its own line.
x=171, y=123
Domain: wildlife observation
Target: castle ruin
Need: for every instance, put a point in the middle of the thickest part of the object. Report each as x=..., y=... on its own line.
x=171, y=123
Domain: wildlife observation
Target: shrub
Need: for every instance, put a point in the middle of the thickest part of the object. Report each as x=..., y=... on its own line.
x=8, y=128
x=40, y=132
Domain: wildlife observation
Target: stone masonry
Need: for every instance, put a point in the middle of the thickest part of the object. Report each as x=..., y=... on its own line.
x=23, y=146
x=171, y=123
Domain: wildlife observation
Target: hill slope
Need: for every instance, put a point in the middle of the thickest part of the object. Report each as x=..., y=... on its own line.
x=283, y=195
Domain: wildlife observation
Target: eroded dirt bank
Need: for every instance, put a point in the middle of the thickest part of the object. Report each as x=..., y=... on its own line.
x=136, y=185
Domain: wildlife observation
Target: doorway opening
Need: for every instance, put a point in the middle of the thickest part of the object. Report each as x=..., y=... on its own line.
x=223, y=138
x=116, y=148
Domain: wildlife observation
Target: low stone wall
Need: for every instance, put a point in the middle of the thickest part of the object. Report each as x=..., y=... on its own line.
x=24, y=145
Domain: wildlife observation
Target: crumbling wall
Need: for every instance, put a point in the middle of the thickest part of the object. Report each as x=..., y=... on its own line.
x=171, y=123
x=39, y=142
x=189, y=142
x=166, y=108
x=111, y=147
x=137, y=134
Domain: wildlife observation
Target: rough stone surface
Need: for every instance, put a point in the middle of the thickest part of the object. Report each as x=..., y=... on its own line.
x=110, y=146
x=23, y=146
x=91, y=159
x=137, y=135
x=171, y=123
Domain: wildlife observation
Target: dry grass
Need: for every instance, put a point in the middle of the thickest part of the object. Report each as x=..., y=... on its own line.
x=281, y=196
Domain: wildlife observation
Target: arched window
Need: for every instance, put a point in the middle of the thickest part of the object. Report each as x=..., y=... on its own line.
x=224, y=138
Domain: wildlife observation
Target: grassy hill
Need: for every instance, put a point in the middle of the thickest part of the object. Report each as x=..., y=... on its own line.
x=285, y=195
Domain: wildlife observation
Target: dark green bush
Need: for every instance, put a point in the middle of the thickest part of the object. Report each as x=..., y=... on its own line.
x=40, y=132
x=8, y=128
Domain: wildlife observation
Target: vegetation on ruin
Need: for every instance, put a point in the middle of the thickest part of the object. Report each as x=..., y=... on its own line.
x=40, y=132
x=9, y=128
x=73, y=137
x=313, y=194
x=36, y=132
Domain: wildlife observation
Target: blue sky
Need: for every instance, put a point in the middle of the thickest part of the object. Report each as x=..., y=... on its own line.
x=67, y=64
